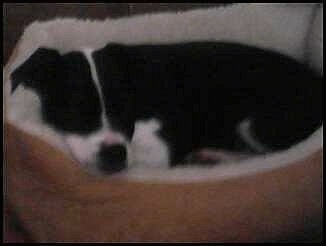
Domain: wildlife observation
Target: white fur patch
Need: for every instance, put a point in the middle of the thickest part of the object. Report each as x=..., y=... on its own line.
x=147, y=148
x=86, y=148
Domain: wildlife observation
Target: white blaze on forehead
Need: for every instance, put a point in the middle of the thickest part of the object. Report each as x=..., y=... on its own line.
x=88, y=54
x=146, y=147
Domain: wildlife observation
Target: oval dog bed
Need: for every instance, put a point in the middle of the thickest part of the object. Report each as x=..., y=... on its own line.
x=272, y=197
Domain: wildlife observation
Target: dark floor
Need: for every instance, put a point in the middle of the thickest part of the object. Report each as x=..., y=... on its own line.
x=16, y=16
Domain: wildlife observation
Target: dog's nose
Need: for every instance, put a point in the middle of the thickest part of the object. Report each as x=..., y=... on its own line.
x=113, y=158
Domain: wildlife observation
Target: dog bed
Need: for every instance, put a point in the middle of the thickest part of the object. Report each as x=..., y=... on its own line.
x=271, y=197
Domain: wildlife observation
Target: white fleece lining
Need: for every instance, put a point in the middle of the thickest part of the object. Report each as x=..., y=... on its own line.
x=281, y=27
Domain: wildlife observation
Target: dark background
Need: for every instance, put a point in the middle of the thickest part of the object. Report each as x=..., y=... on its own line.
x=16, y=16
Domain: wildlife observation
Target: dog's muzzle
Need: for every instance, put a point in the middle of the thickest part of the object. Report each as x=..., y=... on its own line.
x=112, y=158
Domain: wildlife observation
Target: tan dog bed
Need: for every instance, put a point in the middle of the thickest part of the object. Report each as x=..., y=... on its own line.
x=270, y=197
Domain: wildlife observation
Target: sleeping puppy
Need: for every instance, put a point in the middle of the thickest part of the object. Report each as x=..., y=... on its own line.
x=158, y=105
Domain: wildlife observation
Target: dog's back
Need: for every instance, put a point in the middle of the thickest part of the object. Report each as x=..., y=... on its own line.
x=201, y=92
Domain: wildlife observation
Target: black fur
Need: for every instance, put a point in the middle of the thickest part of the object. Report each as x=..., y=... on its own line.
x=69, y=99
x=199, y=91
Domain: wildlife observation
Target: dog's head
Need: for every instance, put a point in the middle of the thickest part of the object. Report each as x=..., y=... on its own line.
x=96, y=119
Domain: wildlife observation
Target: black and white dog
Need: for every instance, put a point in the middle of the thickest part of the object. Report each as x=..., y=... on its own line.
x=126, y=105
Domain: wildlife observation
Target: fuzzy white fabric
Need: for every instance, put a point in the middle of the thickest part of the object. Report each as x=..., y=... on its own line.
x=293, y=29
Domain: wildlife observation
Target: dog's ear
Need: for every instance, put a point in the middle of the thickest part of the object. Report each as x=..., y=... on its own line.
x=42, y=68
